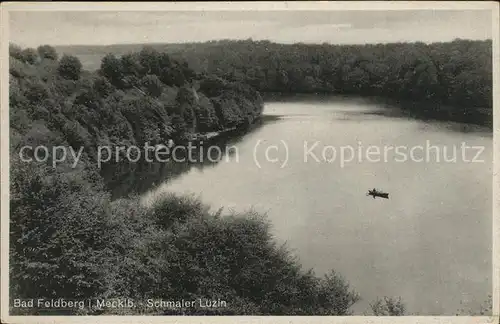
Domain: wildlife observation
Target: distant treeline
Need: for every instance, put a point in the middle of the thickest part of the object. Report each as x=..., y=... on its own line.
x=449, y=80
x=453, y=79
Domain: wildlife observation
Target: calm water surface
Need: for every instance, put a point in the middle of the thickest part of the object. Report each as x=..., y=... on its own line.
x=430, y=243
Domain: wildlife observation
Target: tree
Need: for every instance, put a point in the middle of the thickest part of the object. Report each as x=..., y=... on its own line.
x=47, y=52
x=149, y=60
x=15, y=51
x=112, y=69
x=336, y=295
x=130, y=65
x=87, y=98
x=70, y=67
x=35, y=92
x=173, y=76
x=212, y=86
x=102, y=86
x=152, y=85
x=29, y=55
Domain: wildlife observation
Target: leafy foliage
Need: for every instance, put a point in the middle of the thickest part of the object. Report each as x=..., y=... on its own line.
x=111, y=69
x=29, y=56
x=47, y=52
x=152, y=85
x=69, y=239
x=454, y=79
x=388, y=307
x=70, y=67
x=15, y=51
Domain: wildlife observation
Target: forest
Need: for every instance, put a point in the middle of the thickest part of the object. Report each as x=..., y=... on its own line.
x=69, y=238
x=447, y=81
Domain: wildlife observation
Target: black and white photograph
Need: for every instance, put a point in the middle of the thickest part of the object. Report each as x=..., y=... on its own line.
x=250, y=159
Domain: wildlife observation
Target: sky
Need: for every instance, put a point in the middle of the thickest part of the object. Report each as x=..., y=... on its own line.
x=33, y=28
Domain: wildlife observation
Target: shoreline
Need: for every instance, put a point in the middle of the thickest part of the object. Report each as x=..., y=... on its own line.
x=394, y=107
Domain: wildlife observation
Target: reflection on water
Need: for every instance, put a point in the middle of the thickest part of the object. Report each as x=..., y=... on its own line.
x=124, y=179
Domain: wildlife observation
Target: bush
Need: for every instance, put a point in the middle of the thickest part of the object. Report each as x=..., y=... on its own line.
x=57, y=228
x=112, y=69
x=47, y=52
x=213, y=86
x=170, y=208
x=15, y=51
x=103, y=87
x=29, y=56
x=152, y=85
x=388, y=307
x=36, y=92
x=70, y=67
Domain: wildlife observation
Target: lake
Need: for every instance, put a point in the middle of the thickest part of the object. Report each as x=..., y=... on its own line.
x=430, y=243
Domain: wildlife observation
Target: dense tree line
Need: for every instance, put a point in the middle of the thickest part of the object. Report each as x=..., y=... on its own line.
x=68, y=237
x=138, y=98
x=452, y=80
x=448, y=80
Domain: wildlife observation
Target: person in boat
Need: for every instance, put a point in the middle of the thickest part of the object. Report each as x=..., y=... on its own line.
x=376, y=193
